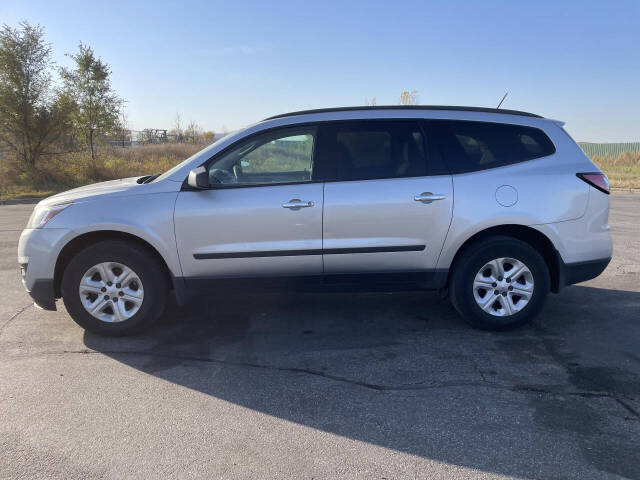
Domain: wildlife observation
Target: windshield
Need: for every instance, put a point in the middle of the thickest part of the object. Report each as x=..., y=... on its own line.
x=171, y=171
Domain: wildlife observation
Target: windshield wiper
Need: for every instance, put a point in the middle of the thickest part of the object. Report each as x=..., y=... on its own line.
x=148, y=178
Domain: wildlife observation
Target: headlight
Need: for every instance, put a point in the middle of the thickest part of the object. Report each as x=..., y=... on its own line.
x=41, y=215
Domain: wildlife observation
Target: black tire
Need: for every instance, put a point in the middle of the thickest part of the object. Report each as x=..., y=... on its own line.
x=474, y=258
x=136, y=257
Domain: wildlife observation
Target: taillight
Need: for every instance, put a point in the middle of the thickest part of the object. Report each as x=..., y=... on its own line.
x=597, y=180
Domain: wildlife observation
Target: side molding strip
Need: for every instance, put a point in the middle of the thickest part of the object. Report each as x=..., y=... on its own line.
x=317, y=251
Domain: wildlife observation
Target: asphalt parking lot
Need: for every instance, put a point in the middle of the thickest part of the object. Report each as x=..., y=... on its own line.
x=308, y=386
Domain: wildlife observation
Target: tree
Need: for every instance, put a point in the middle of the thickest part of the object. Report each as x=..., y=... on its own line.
x=176, y=132
x=146, y=136
x=96, y=105
x=208, y=136
x=371, y=103
x=408, y=98
x=193, y=132
x=122, y=131
x=32, y=116
x=177, y=128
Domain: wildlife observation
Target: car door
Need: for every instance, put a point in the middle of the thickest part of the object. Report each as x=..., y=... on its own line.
x=389, y=200
x=262, y=215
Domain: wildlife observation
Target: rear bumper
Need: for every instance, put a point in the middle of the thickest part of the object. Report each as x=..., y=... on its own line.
x=571, y=273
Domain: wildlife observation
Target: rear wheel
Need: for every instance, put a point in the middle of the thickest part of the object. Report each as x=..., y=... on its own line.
x=499, y=283
x=114, y=288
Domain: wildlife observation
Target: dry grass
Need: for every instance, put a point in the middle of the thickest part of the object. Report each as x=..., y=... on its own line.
x=623, y=171
x=63, y=172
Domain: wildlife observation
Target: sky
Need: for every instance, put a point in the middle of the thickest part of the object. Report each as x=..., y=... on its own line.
x=229, y=64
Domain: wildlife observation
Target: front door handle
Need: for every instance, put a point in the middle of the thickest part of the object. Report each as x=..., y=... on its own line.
x=297, y=204
x=428, y=197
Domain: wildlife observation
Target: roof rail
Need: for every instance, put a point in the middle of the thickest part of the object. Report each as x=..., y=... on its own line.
x=407, y=107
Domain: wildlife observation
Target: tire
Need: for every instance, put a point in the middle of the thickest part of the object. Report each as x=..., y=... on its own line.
x=141, y=297
x=469, y=278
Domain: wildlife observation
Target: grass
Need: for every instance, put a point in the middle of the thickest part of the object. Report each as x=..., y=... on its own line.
x=62, y=172
x=623, y=171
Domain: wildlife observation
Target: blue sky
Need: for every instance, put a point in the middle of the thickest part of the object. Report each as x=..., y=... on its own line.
x=231, y=63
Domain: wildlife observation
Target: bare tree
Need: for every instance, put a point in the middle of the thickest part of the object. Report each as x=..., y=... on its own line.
x=123, y=130
x=408, y=97
x=193, y=132
x=177, y=128
x=371, y=103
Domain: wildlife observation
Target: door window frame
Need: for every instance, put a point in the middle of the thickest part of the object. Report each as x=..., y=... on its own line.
x=295, y=126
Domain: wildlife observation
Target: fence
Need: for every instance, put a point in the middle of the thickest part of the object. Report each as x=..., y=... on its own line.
x=608, y=149
x=129, y=138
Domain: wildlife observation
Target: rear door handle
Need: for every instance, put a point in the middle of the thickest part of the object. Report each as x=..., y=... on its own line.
x=297, y=204
x=428, y=197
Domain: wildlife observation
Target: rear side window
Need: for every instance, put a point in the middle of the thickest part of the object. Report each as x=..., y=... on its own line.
x=470, y=146
x=365, y=150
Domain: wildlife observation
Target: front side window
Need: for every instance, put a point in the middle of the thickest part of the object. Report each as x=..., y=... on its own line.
x=470, y=146
x=281, y=156
x=365, y=150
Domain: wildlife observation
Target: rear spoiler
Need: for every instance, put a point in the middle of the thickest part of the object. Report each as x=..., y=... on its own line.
x=560, y=123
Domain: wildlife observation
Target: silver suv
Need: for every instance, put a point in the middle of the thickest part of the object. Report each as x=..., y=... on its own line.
x=493, y=207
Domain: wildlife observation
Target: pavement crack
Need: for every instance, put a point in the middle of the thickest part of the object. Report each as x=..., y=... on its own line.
x=628, y=407
x=14, y=316
x=372, y=386
x=306, y=371
x=561, y=360
x=478, y=370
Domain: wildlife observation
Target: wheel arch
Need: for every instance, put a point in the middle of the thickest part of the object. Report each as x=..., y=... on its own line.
x=85, y=240
x=527, y=234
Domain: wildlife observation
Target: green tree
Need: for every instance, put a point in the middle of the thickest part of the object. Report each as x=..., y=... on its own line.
x=96, y=105
x=32, y=115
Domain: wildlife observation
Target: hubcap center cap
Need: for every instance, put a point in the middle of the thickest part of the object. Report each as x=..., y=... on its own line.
x=112, y=291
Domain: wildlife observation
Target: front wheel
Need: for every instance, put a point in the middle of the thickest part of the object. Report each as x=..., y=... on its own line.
x=114, y=288
x=499, y=283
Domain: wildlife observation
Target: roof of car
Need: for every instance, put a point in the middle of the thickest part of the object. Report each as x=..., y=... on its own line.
x=407, y=107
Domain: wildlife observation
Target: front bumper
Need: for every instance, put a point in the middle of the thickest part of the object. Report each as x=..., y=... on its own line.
x=38, y=250
x=43, y=294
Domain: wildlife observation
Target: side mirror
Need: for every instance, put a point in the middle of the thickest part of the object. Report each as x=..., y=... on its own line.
x=199, y=178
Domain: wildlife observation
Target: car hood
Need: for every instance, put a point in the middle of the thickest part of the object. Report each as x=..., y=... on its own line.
x=112, y=186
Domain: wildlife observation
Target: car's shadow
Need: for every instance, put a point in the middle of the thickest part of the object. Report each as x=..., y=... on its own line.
x=402, y=371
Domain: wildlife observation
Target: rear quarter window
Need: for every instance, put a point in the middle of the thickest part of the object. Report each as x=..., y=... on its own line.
x=469, y=146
